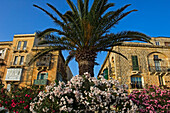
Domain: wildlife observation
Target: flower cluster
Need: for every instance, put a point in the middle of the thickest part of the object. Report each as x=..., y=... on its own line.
x=83, y=94
x=152, y=100
x=17, y=100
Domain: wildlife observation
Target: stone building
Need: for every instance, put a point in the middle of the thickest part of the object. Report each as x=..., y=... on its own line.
x=14, y=62
x=4, y=57
x=147, y=64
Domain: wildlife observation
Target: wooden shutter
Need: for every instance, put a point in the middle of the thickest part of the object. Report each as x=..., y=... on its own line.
x=135, y=63
x=106, y=73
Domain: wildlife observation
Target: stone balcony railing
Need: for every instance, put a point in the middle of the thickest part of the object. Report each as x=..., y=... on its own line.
x=21, y=49
x=40, y=82
x=11, y=64
x=136, y=70
x=159, y=69
x=43, y=63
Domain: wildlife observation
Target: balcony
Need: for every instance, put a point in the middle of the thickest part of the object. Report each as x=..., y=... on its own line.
x=136, y=70
x=22, y=49
x=17, y=65
x=43, y=64
x=159, y=69
x=40, y=82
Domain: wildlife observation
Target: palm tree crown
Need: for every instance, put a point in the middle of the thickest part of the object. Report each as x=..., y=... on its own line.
x=86, y=31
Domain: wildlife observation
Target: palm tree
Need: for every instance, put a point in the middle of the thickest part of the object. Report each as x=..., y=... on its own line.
x=86, y=31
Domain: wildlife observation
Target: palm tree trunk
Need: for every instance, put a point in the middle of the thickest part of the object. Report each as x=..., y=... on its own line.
x=86, y=66
x=86, y=59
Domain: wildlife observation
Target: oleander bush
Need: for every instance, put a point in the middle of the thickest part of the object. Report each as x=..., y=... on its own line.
x=83, y=94
x=152, y=100
x=18, y=100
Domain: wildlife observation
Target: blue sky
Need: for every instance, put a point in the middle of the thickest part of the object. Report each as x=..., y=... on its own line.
x=20, y=17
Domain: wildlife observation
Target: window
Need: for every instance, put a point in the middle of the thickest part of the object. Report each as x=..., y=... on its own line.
x=15, y=60
x=21, y=60
x=2, y=52
x=136, y=82
x=157, y=43
x=19, y=45
x=42, y=75
x=155, y=57
x=135, y=65
x=25, y=45
x=160, y=80
x=167, y=43
x=157, y=63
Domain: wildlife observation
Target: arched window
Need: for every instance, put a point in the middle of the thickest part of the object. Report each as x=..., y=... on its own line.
x=42, y=75
x=136, y=82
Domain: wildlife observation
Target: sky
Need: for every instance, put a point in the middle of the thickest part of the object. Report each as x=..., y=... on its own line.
x=20, y=17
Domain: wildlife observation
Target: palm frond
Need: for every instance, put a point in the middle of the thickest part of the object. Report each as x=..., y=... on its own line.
x=95, y=63
x=80, y=8
x=93, y=7
x=109, y=40
x=113, y=51
x=43, y=52
x=50, y=15
x=78, y=31
x=73, y=7
x=70, y=57
x=86, y=7
x=48, y=31
x=59, y=14
x=106, y=7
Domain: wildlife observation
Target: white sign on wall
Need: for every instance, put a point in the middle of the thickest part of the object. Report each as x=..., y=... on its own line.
x=13, y=74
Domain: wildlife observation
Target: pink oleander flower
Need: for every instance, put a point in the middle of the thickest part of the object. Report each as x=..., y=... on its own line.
x=13, y=104
x=26, y=107
x=6, y=102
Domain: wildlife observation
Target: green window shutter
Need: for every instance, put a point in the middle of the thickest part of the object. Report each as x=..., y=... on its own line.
x=105, y=72
x=135, y=63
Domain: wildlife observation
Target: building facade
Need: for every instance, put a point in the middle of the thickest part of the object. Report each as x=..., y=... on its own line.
x=14, y=62
x=147, y=64
x=4, y=58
